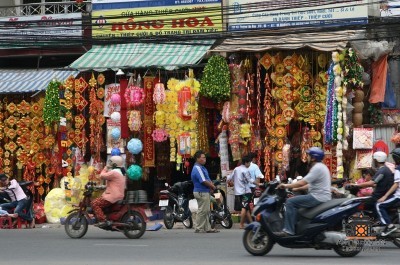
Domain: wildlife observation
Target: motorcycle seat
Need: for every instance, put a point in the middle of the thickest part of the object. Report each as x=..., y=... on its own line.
x=310, y=213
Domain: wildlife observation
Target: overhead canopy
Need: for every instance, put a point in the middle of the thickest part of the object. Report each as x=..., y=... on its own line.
x=143, y=55
x=29, y=80
x=322, y=41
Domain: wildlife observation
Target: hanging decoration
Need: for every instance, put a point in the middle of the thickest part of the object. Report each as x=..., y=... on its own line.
x=159, y=93
x=135, y=146
x=215, y=83
x=116, y=116
x=134, y=96
x=159, y=135
x=148, y=124
x=134, y=172
x=134, y=120
x=51, y=111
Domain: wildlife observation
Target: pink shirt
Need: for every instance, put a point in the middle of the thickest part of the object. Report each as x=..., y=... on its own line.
x=15, y=191
x=115, y=185
x=365, y=191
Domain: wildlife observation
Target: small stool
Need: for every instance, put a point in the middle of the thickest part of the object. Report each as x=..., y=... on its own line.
x=21, y=222
x=5, y=222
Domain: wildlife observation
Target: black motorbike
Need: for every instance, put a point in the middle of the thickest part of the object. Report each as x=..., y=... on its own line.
x=175, y=203
x=219, y=212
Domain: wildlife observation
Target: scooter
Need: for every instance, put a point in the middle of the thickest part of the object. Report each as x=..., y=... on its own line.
x=327, y=226
x=125, y=216
x=175, y=203
x=219, y=212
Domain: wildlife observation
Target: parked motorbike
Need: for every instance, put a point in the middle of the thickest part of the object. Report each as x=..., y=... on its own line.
x=175, y=203
x=394, y=214
x=219, y=212
x=323, y=227
x=125, y=216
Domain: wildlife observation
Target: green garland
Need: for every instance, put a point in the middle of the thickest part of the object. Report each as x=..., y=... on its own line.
x=376, y=114
x=215, y=83
x=353, y=70
x=51, y=110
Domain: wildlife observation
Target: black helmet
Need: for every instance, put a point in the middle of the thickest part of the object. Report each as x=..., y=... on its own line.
x=396, y=153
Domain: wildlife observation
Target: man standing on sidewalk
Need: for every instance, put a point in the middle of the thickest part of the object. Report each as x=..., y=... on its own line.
x=202, y=188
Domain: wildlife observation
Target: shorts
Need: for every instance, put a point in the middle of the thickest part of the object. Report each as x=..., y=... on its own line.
x=242, y=201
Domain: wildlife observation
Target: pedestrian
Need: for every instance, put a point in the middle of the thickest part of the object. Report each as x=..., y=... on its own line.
x=19, y=200
x=201, y=191
x=391, y=197
x=241, y=180
x=318, y=184
x=255, y=172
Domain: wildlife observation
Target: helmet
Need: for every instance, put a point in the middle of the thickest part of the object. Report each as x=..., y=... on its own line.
x=316, y=153
x=116, y=161
x=380, y=156
x=396, y=153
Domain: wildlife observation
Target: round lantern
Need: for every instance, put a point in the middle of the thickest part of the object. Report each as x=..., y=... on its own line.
x=159, y=93
x=115, y=152
x=135, y=146
x=134, y=172
x=115, y=116
x=116, y=133
x=159, y=135
x=134, y=96
x=115, y=98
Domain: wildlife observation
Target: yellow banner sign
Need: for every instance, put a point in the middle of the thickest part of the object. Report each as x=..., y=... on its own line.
x=157, y=21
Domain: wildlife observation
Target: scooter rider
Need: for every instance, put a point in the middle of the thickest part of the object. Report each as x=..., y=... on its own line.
x=318, y=182
x=391, y=197
x=382, y=180
x=113, y=173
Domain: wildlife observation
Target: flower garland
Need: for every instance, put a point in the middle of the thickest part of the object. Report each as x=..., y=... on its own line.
x=331, y=107
x=51, y=110
x=215, y=83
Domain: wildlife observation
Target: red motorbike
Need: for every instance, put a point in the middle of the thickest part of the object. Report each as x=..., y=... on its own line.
x=126, y=216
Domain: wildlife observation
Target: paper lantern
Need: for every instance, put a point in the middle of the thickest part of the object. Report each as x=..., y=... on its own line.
x=116, y=98
x=115, y=133
x=184, y=103
x=159, y=93
x=115, y=116
x=184, y=144
x=134, y=120
x=134, y=172
x=115, y=152
x=159, y=135
x=134, y=96
x=135, y=146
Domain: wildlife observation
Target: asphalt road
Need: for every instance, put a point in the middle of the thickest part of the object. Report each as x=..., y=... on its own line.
x=177, y=246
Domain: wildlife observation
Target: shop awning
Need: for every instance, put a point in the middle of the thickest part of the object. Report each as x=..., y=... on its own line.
x=169, y=55
x=322, y=41
x=29, y=80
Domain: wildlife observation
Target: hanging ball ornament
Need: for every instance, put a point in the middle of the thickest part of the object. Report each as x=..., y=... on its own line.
x=115, y=152
x=116, y=98
x=134, y=172
x=116, y=133
x=135, y=146
x=116, y=116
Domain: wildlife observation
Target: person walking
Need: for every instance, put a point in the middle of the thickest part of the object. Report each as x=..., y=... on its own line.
x=201, y=191
x=255, y=171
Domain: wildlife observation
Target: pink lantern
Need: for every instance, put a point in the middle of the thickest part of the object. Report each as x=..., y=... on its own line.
x=116, y=98
x=134, y=96
x=159, y=135
x=159, y=93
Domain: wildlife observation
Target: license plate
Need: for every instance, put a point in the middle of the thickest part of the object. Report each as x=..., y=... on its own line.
x=163, y=203
x=255, y=200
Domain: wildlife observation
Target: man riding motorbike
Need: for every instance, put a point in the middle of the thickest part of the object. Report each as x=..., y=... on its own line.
x=318, y=182
x=382, y=180
x=114, y=174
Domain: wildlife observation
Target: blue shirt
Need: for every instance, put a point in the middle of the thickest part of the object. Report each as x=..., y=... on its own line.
x=255, y=173
x=199, y=175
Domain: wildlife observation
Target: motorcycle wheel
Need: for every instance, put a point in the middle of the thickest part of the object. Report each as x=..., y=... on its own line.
x=168, y=218
x=188, y=222
x=348, y=250
x=137, y=225
x=76, y=225
x=227, y=222
x=261, y=246
x=212, y=221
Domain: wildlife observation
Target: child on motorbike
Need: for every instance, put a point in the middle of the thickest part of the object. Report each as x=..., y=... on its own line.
x=390, y=199
x=114, y=174
x=366, y=175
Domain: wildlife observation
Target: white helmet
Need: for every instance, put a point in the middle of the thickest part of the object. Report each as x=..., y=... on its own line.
x=116, y=161
x=380, y=156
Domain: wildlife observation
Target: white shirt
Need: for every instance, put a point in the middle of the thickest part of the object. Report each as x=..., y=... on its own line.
x=255, y=173
x=397, y=180
x=241, y=180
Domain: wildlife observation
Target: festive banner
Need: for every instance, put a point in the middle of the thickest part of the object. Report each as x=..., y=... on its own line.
x=364, y=158
x=148, y=125
x=363, y=138
x=110, y=107
x=224, y=153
